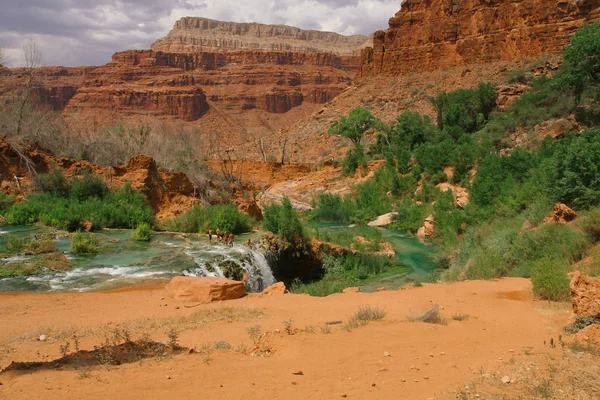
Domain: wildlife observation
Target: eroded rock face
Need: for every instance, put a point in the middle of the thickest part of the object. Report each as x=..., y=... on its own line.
x=197, y=34
x=561, y=214
x=204, y=289
x=431, y=34
x=585, y=294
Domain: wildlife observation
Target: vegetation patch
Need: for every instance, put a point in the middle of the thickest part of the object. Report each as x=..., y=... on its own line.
x=67, y=205
x=226, y=218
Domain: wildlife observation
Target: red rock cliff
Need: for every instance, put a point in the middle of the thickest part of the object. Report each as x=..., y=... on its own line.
x=432, y=34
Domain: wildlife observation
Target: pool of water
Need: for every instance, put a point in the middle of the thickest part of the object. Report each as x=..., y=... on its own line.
x=416, y=260
x=124, y=262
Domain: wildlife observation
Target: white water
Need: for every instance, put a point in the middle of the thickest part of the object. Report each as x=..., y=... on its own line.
x=251, y=261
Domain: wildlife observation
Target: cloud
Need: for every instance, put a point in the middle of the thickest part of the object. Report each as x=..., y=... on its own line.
x=88, y=32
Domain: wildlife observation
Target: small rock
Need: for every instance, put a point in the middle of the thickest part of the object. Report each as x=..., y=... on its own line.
x=191, y=351
x=402, y=380
x=511, y=350
x=505, y=379
x=430, y=354
x=294, y=383
x=177, y=308
x=386, y=354
x=513, y=380
x=477, y=395
x=162, y=298
x=381, y=289
x=412, y=367
x=298, y=373
x=343, y=395
x=167, y=376
x=373, y=385
x=43, y=338
x=416, y=380
x=443, y=353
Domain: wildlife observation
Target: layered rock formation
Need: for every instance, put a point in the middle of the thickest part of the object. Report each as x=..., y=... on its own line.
x=431, y=34
x=301, y=69
x=196, y=34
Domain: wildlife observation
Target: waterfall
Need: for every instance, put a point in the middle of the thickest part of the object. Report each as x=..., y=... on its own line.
x=230, y=262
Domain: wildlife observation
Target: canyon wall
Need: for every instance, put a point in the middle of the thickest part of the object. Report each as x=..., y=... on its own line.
x=196, y=34
x=432, y=34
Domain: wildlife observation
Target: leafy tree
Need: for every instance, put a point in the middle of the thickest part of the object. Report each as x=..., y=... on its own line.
x=355, y=124
x=355, y=158
x=583, y=58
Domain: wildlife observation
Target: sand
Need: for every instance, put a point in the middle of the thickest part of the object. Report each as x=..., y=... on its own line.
x=388, y=359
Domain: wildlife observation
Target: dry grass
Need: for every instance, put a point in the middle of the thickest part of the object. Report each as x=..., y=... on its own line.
x=561, y=374
x=179, y=324
x=364, y=315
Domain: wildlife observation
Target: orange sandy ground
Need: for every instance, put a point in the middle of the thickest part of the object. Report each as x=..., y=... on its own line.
x=425, y=360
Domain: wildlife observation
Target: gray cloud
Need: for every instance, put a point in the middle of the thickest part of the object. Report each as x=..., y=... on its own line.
x=88, y=32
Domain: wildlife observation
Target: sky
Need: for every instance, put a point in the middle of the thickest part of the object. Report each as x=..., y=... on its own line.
x=88, y=32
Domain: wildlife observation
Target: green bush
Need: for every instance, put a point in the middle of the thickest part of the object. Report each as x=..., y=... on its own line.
x=332, y=208
x=550, y=280
x=284, y=221
x=226, y=217
x=15, y=244
x=67, y=207
x=355, y=157
x=590, y=223
x=83, y=243
x=143, y=232
x=6, y=201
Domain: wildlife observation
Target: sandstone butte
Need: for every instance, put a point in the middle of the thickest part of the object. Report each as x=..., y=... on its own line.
x=432, y=34
x=197, y=34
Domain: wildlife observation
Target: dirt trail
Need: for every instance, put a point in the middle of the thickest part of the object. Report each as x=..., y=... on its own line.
x=425, y=360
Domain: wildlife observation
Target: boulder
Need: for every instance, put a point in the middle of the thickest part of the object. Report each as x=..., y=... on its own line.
x=274, y=289
x=427, y=230
x=351, y=290
x=585, y=294
x=192, y=289
x=561, y=214
x=383, y=220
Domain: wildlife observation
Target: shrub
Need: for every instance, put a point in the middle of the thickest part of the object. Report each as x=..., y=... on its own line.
x=226, y=217
x=15, y=244
x=590, y=223
x=550, y=280
x=125, y=209
x=332, y=208
x=284, y=221
x=355, y=157
x=83, y=243
x=6, y=201
x=143, y=232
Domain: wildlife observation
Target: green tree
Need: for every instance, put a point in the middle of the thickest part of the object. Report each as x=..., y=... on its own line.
x=583, y=58
x=355, y=124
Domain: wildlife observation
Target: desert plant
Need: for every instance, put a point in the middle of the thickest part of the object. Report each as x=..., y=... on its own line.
x=143, y=232
x=83, y=243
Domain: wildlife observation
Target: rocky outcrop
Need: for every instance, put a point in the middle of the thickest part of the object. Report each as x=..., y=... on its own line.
x=197, y=34
x=585, y=295
x=432, y=34
x=275, y=289
x=427, y=230
x=383, y=220
x=190, y=289
x=561, y=214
